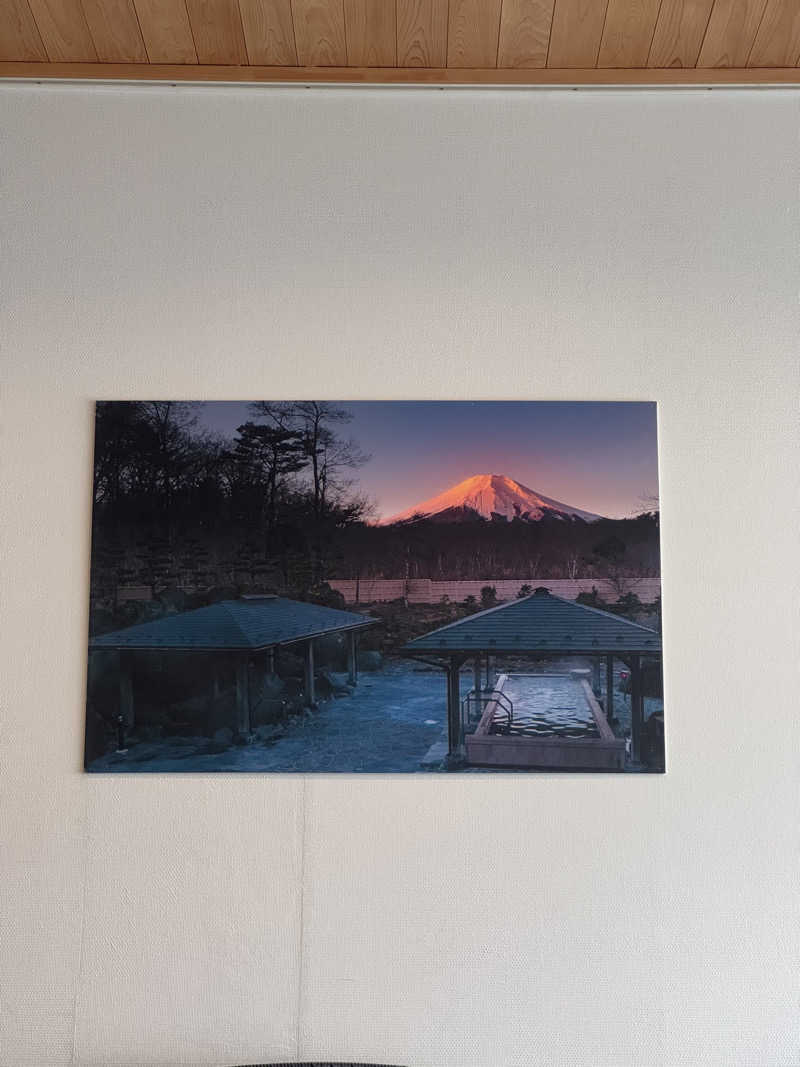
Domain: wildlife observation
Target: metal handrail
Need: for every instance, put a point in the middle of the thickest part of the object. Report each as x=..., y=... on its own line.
x=505, y=704
x=504, y=700
x=484, y=697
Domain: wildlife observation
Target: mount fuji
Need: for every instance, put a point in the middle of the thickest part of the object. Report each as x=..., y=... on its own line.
x=490, y=496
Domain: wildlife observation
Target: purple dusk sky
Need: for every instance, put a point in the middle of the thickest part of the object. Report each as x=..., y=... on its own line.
x=597, y=456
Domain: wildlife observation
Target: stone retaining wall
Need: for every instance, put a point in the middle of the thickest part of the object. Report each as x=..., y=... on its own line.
x=426, y=591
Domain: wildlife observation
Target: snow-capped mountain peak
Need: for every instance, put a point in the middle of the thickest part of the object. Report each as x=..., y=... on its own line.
x=489, y=496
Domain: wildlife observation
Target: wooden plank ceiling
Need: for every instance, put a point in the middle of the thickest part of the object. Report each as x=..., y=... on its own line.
x=446, y=41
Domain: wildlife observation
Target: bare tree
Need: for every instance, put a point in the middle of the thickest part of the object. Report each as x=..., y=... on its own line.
x=336, y=457
x=572, y=563
x=170, y=422
x=533, y=563
x=328, y=454
x=316, y=418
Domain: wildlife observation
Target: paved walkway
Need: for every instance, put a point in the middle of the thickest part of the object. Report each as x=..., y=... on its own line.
x=387, y=725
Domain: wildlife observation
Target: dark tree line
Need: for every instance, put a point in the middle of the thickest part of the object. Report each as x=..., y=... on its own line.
x=550, y=548
x=176, y=505
x=150, y=455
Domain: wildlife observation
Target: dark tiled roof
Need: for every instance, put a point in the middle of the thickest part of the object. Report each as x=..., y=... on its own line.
x=540, y=623
x=235, y=624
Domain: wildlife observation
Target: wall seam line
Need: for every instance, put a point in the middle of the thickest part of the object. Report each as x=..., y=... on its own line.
x=301, y=918
x=82, y=936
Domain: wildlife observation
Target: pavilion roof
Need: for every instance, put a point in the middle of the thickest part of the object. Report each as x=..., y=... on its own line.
x=250, y=623
x=540, y=622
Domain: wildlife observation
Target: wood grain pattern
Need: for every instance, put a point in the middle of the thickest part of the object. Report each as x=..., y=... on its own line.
x=422, y=33
x=628, y=33
x=777, y=42
x=19, y=37
x=166, y=31
x=679, y=34
x=63, y=30
x=577, y=30
x=524, y=33
x=115, y=31
x=371, y=33
x=473, y=33
x=426, y=41
x=268, y=31
x=172, y=72
x=319, y=32
x=731, y=32
x=217, y=31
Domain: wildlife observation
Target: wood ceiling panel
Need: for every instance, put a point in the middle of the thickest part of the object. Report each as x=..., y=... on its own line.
x=679, y=33
x=524, y=33
x=731, y=32
x=490, y=42
x=422, y=33
x=63, y=30
x=319, y=32
x=269, y=32
x=473, y=33
x=217, y=31
x=115, y=31
x=166, y=31
x=371, y=33
x=628, y=33
x=576, y=34
x=19, y=37
x=777, y=42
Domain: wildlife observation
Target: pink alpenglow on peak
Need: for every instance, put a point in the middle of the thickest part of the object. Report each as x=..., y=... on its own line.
x=490, y=496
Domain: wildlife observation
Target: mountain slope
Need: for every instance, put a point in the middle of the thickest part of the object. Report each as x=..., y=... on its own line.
x=487, y=495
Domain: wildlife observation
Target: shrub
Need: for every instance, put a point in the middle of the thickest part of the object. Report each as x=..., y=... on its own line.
x=591, y=600
x=325, y=596
x=628, y=605
x=488, y=596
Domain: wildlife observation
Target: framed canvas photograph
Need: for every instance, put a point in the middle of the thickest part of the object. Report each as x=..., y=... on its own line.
x=386, y=587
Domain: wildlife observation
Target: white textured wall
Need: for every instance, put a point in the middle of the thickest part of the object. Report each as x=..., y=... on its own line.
x=232, y=243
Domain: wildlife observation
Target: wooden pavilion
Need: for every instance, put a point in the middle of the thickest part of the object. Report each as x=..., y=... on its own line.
x=538, y=626
x=244, y=628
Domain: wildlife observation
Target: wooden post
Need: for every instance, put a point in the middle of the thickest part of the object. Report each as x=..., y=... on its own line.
x=476, y=681
x=609, y=708
x=311, y=697
x=454, y=708
x=352, y=658
x=637, y=709
x=126, y=689
x=596, y=676
x=242, y=697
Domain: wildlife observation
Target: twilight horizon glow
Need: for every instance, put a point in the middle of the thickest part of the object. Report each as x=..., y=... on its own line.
x=600, y=457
